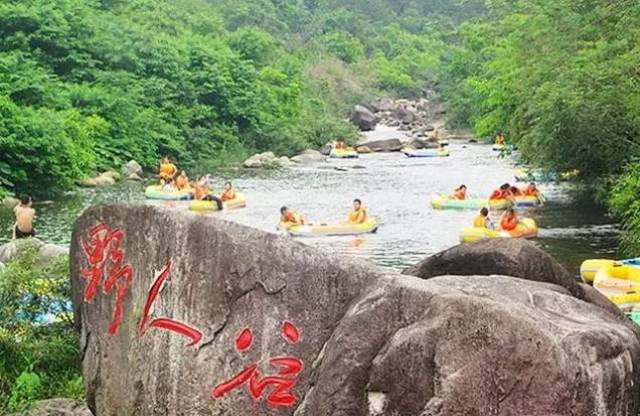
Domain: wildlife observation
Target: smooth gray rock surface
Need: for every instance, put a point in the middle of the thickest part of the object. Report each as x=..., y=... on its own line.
x=363, y=118
x=370, y=342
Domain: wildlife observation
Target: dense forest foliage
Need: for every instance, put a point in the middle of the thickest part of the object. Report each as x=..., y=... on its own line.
x=88, y=85
x=561, y=78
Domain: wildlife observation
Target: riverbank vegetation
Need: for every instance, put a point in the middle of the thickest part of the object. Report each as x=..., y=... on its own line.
x=39, y=354
x=89, y=85
x=560, y=77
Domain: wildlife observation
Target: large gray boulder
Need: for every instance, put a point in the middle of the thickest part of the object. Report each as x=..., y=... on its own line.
x=58, y=407
x=132, y=168
x=386, y=145
x=262, y=160
x=49, y=252
x=383, y=104
x=10, y=250
x=363, y=118
x=506, y=256
x=309, y=157
x=404, y=115
x=349, y=339
x=9, y=202
x=104, y=179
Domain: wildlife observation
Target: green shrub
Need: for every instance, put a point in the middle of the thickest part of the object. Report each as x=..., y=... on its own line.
x=39, y=349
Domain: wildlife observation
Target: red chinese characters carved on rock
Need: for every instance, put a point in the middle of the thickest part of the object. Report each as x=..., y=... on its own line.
x=106, y=260
x=282, y=383
x=165, y=323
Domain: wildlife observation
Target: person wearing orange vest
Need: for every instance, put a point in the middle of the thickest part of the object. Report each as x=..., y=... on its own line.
x=482, y=220
x=503, y=193
x=290, y=217
x=532, y=190
x=228, y=193
x=509, y=220
x=167, y=169
x=359, y=213
x=182, y=181
x=199, y=189
x=460, y=192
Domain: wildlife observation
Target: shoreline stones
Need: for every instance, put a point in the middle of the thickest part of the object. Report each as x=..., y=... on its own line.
x=46, y=251
x=108, y=178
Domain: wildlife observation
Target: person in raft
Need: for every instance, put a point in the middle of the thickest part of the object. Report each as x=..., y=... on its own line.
x=532, y=190
x=482, y=220
x=503, y=193
x=182, y=181
x=460, y=192
x=509, y=220
x=167, y=169
x=359, y=213
x=500, y=139
x=290, y=217
x=25, y=214
x=166, y=185
x=228, y=192
x=198, y=189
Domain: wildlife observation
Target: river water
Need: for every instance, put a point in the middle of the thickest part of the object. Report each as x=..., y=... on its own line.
x=395, y=189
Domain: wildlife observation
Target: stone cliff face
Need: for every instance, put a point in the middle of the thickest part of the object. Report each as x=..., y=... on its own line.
x=188, y=315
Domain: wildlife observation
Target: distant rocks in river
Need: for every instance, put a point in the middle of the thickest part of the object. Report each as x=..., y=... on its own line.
x=231, y=320
x=309, y=157
x=363, y=118
x=10, y=202
x=132, y=169
x=57, y=407
x=108, y=178
x=262, y=160
x=386, y=145
x=46, y=252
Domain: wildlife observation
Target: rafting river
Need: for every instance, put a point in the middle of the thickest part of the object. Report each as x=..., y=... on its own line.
x=395, y=189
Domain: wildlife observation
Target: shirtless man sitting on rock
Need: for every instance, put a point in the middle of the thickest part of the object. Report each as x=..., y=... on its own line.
x=25, y=215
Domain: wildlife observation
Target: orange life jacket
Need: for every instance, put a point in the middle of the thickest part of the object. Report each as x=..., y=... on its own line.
x=181, y=182
x=168, y=170
x=198, y=191
x=459, y=194
x=509, y=222
x=228, y=195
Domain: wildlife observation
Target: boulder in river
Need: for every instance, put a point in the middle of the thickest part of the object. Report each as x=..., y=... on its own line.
x=15, y=247
x=363, y=149
x=218, y=318
x=57, y=407
x=134, y=177
x=132, y=168
x=385, y=145
x=10, y=202
x=309, y=157
x=49, y=252
x=404, y=115
x=383, y=104
x=363, y=118
x=506, y=256
x=104, y=179
x=262, y=160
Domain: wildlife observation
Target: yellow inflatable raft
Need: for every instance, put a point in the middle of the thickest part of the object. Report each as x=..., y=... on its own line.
x=369, y=226
x=448, y=202
x=589, y=268
x=526, y=228
x=205, y=206
x=348, y=153
x=620, y=283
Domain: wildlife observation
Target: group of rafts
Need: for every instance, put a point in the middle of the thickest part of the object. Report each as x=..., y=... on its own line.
x=618, y=280
x=506, y=199
x=178, y=187
x=341, y=151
